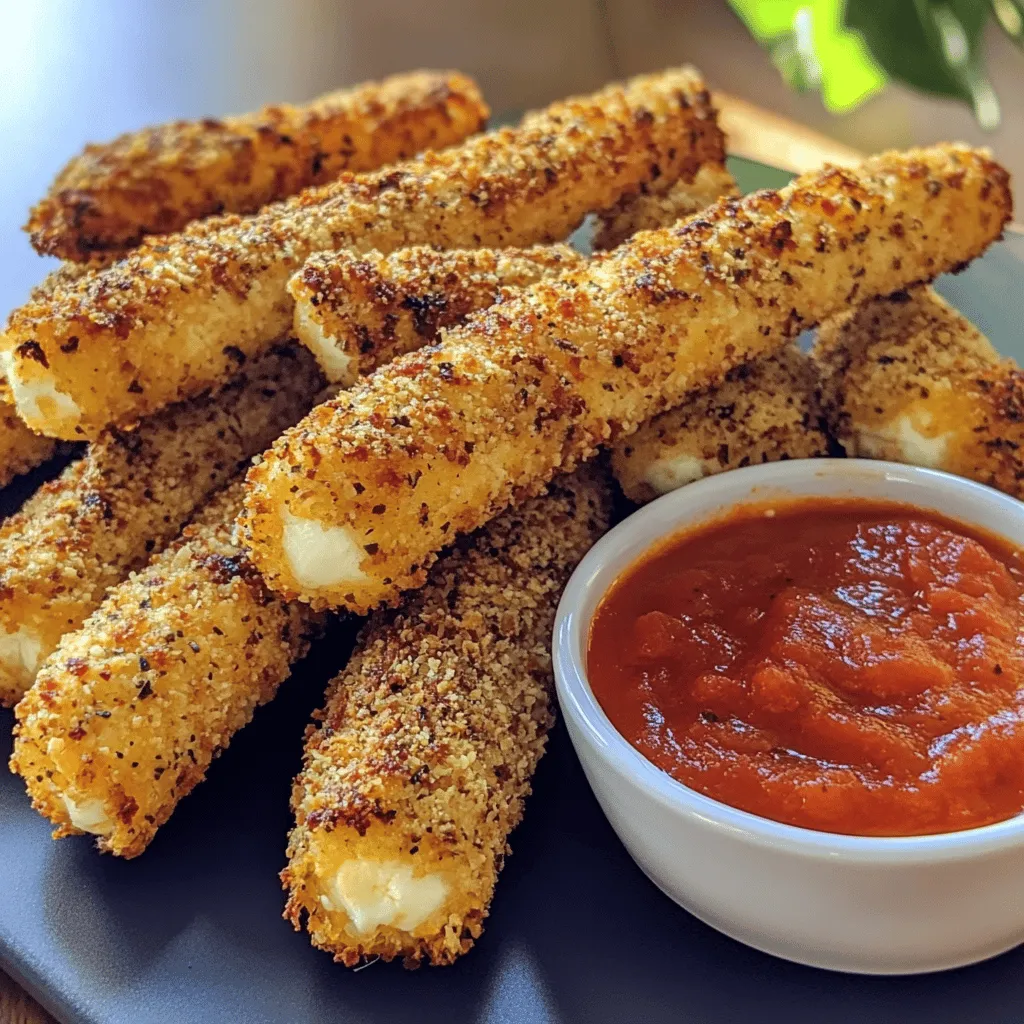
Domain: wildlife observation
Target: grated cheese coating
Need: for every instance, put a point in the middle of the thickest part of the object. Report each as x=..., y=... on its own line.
x=365, y=310
x=157, y=180
x=440, y=441
x=764, y=411
x=424, y=752
x=129, y=710
x=168, y=320
x=653, y=209
x=910, y=379
x=126, y=498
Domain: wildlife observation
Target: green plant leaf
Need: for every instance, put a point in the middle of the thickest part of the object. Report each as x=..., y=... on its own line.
x=1010, y=15
x=933, y=45
x=812, y=48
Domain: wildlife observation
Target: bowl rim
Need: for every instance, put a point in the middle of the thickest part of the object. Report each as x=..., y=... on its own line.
x=590, y=582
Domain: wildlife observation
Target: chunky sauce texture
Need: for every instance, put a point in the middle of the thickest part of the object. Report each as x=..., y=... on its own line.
x=836, y=664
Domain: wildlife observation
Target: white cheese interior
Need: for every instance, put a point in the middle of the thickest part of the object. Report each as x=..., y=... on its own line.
x=318, y=555
x=335, y=362
x=89, y=816
x=38, y=401
x=669, y=474
x=20, y=652
x=902, y=439
x=374, y=893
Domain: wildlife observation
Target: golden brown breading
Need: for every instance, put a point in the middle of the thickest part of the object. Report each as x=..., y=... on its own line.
x=425, y=750
x=127, y=714
x=165, y=321
x=908, y=378
x=357, y=312
x=351, y=506
x=127, y=497
x=763, y=411
x=20, y=448
x=654, y=209
x=156, y=180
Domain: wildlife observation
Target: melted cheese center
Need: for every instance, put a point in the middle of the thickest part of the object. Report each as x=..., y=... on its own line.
x=318, y=555
x=375, y=893
x=669, y=474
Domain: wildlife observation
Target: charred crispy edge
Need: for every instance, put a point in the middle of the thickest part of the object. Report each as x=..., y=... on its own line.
x=78, y=219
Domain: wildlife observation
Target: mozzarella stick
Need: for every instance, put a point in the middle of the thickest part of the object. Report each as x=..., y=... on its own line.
x=424, y=753
x=350, y=507
x=127, y=497
x=170, y=318
x=156, y=180
x=908, y=378
x=129, y=710
x=652, y=209
x=20, y=448
x=357, y=312
x=763, y=411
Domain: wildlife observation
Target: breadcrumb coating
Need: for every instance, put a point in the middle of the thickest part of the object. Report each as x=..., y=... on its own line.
x=423, y=755
x=378, y=480
x=127, y=497
x=169, y=319
x=652, y=209
x=20, y=448
x=157, y=180
x=764, y=411
x=910, y=379
x=356, y=312
x=128, y=712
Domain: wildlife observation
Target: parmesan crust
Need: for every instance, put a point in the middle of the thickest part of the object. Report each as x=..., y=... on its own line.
x=653, y=209
x=155, y=181
x=763, y=411
x=910, y=379
x=129, y=710
x=364, y=310
x=125, y=499
x=440, y=441
x=168, y=320
x=423, y=755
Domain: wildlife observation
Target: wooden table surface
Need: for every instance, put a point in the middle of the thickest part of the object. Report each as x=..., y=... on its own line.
x=753, y=133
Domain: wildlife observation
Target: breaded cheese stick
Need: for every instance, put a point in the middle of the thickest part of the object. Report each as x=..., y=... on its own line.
x=763, y=411
x=425, y=750
x=908, y=378
x=20, y=448
x=169, y=319
x=356, y=312
x=129, y=710
x=351, y=506
x=156, y=180
x=128, y=496
x=652, y=209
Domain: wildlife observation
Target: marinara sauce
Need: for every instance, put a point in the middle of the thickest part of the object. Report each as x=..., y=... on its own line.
x=837, y=664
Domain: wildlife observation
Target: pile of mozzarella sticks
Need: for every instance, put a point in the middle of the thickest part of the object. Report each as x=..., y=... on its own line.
x=337, y=360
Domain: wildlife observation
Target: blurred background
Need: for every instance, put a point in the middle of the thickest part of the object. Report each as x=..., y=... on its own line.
x=73, y=71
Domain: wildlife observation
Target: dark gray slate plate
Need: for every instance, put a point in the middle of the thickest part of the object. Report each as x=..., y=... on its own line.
x=192, y=931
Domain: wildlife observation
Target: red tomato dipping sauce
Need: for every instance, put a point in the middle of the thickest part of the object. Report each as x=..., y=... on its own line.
x=837, y=664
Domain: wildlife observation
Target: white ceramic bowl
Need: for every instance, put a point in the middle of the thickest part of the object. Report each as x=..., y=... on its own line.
x=849, y=903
